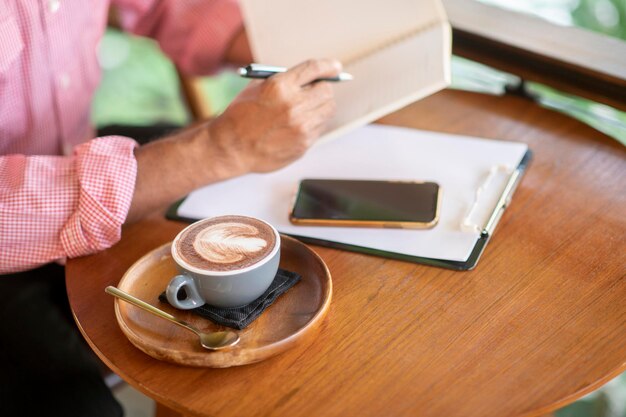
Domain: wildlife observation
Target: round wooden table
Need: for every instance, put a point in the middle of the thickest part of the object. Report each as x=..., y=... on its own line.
x=540, y=322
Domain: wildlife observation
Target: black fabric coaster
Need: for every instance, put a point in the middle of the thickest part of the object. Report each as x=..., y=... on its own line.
x=240, y=317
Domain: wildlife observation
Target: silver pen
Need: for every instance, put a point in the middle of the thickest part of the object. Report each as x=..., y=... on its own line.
x=266, y=71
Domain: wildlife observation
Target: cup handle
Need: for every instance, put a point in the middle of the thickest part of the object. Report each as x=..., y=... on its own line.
x=179, y=282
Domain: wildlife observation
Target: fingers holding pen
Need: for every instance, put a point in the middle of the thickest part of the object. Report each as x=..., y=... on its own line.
x=307, y=72
x=273, y=122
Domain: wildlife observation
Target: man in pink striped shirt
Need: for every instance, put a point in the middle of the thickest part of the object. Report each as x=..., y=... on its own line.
x=64, y=193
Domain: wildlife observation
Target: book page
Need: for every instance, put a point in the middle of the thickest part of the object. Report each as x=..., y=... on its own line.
x=286, y=32
x=458, y=164
x=392, y=78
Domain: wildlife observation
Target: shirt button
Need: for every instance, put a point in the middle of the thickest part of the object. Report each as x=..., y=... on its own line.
x=64, y=80
x=54, y=5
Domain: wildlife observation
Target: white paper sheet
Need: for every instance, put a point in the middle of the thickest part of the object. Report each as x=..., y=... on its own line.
x=459, y=164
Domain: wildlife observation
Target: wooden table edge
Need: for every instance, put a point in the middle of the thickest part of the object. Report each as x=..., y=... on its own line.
x=547, y=409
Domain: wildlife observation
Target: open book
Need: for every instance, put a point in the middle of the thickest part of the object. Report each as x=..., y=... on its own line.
x=397, y=50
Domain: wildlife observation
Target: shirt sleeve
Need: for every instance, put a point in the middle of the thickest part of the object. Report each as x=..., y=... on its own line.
x=54, y=207
x=195, y=34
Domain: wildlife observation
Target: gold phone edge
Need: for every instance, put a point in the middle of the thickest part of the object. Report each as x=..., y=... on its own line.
x=367, y=223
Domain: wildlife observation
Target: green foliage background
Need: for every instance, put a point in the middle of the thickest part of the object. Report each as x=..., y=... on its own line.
x=585, y=16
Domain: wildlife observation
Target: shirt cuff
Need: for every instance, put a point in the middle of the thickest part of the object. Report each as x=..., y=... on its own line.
x=106, y=170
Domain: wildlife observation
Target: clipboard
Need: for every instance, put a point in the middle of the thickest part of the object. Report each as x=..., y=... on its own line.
x=460, y=240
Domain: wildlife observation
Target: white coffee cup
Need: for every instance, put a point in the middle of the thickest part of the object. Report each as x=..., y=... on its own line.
x=223, y=285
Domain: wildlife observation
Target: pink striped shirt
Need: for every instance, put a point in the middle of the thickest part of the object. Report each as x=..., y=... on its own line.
x=62, y=194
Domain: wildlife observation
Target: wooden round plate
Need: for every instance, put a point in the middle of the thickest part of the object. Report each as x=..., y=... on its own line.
x=294, y=318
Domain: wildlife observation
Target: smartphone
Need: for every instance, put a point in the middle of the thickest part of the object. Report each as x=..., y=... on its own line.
x=365, y=203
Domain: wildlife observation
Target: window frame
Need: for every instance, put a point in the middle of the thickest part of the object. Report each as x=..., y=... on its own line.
x=570, y=58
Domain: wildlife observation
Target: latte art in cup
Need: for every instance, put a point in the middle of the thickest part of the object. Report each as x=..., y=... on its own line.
x=225, y=243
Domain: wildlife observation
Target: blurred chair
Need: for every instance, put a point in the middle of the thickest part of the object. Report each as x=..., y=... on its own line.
x=197, y=102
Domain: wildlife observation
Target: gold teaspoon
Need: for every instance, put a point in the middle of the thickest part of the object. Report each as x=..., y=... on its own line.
x=210, y=341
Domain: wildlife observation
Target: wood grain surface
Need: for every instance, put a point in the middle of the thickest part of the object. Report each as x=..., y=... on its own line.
x=540, y=321
x=293, y=319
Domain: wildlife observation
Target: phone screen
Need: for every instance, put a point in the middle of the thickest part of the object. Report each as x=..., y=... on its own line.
x=367, y=201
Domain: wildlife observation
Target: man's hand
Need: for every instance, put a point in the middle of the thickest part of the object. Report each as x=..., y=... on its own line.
x=270, y=124
x=273, y=122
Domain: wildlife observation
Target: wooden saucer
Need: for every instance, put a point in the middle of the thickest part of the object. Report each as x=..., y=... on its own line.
x=294, y=318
